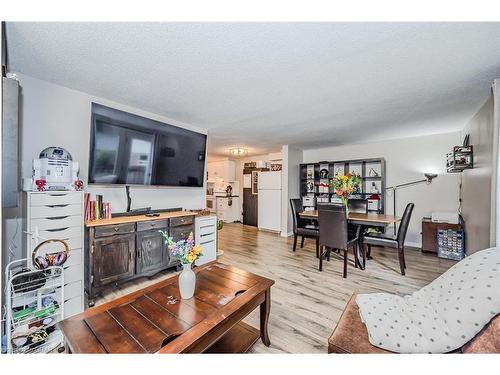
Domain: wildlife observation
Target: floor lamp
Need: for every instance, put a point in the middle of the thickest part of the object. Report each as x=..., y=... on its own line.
x=428, y=179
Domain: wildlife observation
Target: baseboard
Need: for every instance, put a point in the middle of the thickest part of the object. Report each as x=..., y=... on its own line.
x=413, y=244
x=286, y=234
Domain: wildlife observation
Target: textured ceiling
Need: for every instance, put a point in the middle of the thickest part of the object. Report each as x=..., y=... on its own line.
x=262, y=85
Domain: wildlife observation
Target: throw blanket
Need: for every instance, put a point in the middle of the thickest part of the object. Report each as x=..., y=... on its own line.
x=440, y=317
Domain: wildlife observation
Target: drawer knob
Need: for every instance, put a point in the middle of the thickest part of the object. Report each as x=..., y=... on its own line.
x=116, y=229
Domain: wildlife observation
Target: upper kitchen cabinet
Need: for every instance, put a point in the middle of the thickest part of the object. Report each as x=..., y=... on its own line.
x=224, y=170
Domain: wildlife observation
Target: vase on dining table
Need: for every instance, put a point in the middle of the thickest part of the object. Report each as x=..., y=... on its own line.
x=345, y=202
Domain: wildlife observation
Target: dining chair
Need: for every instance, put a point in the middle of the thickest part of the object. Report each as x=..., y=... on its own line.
x=333, y=233
x=301, y=228
x=391, y=241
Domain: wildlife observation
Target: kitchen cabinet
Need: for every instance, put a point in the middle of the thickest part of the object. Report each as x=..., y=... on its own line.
x=224, y=170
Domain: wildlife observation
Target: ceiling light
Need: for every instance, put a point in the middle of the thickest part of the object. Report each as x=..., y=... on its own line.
x=238, y=151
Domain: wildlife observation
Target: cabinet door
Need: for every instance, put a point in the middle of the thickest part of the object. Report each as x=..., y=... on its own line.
x=113, y=259
x=151, y=253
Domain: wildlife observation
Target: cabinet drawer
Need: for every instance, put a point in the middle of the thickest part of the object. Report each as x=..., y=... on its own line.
x=57, y=222
x=206, y=238
x=55, y=210
x=73, y=273
x=73, y=306
x=75, y=258
x=55, y=198
x=180, y=233
x=206, y=230
x=73, y=290
x=73, y=242
x=109, y=230
x=61, y=233
x=178, y=221
x=151, y=224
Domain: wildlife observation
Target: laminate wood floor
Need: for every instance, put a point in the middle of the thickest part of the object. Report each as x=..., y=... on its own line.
x=306, y=303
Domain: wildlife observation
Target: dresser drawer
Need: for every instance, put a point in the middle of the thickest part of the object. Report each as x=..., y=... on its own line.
x=45, y=211
x=72, y=290
x=61, y=233
x=73, y=273
x=152, y=224
x=75, y=258
x=206, y=238
x=73, y=306
x=181, y=233
x=73, y=242
x=210, y=229
x=56, y=198
x=178, y=221
x=57, y=222
x=109, y=230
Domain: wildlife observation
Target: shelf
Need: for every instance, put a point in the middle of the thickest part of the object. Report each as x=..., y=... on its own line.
x=239, y=339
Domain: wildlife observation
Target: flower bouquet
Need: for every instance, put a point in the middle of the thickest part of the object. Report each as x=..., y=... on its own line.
x=187, y=252
x=345, y=185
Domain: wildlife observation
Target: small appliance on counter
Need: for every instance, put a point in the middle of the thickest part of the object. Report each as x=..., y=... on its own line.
x=54, y=170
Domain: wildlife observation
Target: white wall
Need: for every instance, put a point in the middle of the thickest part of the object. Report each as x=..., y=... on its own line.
x=407, y=160
x=52, y=115
x=292, y=157
x=477, y=182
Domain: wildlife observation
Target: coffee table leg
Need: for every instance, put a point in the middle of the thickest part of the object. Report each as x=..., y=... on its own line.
x=265, y=307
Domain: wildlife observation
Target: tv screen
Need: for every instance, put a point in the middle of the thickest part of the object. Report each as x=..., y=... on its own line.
x=132, y=150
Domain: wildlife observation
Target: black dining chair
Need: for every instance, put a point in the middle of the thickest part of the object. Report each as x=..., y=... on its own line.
x=301, y=227
x=333, y=233
x=391, y=241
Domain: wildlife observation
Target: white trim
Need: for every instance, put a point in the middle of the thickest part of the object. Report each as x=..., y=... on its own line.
x=413, y=244
x=283, y=234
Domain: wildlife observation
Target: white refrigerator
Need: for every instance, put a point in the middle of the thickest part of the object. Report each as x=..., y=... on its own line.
x=269, y=201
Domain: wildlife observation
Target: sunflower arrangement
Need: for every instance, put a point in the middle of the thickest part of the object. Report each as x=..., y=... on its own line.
x=345, y=185
x=185, y=250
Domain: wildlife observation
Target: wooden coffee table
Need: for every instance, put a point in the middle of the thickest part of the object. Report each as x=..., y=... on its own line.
x=156, y=320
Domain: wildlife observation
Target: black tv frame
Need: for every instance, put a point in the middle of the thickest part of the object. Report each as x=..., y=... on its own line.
x=124, y=119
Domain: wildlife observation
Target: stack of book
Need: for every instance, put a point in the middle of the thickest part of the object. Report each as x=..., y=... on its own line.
x=96, y=209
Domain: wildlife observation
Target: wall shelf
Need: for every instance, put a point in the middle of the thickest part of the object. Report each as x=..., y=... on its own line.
x=461, y=158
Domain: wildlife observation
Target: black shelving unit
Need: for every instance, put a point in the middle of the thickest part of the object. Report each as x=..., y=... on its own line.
x=461, y=157
x=311, y=177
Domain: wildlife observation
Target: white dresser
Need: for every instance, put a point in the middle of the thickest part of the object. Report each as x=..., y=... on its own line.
x=58, y=215
x=206, y=236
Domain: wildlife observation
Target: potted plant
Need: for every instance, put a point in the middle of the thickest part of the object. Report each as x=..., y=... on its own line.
x=187, y=252
x=344, y=186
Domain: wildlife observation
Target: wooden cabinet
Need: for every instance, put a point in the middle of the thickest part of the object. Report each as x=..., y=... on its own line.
x=113, y=259
x=429, y=234
x=224, y=170
x=131, y=247
x=151, y=253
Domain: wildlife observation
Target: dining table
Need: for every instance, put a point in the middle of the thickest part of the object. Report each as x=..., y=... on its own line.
x=365, y=220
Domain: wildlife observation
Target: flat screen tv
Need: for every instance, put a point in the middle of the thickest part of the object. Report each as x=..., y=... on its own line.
x=129, y=149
